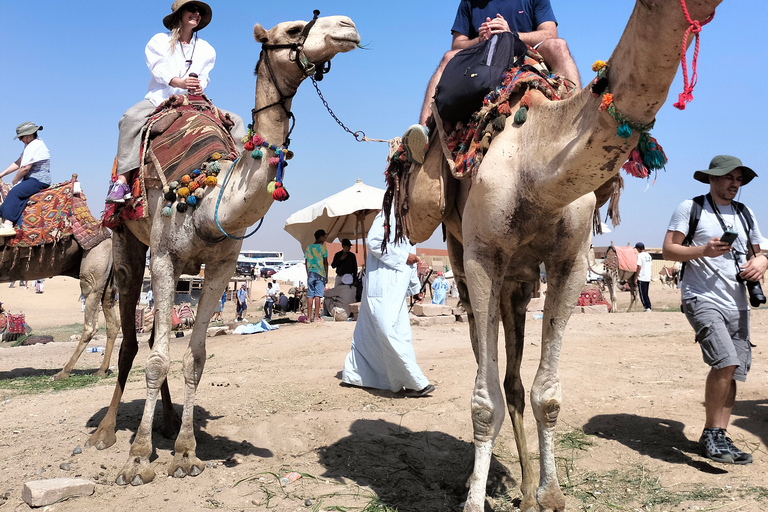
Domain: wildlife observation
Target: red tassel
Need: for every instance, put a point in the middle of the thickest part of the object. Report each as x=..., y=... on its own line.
x=249, y=146
x=274, y=161
x=634, y=166
x=280, y=194
x=504, y=109
x=683, y=98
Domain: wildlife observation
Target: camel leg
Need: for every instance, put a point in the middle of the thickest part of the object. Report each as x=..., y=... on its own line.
x=185, y=461
x=632, y=290
x=514, y=300
x=486, y=279
x=611, y=281
x=137, y=470
x=95, y=277
x=109, y=307
x=129, y=255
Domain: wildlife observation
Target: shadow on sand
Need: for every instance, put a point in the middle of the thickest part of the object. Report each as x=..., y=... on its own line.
x=412, y=471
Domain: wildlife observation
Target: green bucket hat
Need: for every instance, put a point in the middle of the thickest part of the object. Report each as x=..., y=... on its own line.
x=722, y=165
x=27, y=128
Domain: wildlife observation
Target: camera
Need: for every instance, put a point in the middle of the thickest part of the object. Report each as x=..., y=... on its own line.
x=756, y=296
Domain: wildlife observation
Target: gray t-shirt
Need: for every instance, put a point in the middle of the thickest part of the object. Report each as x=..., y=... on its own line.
x=714, y=279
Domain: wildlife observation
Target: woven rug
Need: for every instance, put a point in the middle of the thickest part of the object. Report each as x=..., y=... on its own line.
x=592, y=297
x=53, y=214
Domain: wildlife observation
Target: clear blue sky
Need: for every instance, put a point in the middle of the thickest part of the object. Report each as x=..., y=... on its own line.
x=74, y=67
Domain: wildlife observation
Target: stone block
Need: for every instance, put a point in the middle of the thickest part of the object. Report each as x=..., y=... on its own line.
x=458, y=310
x=431, y=310
x=536, y=304
x=354, y=308
x=39, y=493
x=597, y=309
x=445, y=319
x=217, y=331
x=577, y=310
x=422, y=321
x=462, y=318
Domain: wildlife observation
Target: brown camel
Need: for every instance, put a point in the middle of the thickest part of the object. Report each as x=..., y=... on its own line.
x=184, y=241
x=93, y=267
x=613, y=275
x=532, y=201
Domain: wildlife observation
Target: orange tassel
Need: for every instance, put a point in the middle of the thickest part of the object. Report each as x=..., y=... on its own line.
x=607, y=100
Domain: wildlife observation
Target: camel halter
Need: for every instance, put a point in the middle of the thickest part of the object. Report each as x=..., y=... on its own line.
x=298, y=56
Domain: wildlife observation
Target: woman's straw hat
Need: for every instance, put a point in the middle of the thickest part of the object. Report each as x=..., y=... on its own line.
x=205, y=13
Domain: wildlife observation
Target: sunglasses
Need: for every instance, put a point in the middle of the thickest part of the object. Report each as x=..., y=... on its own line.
x=193, y=9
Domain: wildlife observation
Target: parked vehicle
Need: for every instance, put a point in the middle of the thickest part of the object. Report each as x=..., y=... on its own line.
x=244, y=268
x=267, y=271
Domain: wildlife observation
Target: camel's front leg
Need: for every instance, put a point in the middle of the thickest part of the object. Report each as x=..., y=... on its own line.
x=109, y=307
x=514, y=300
x=185, y=462
x=137, y=470
x=484, y=273
x=565, y=280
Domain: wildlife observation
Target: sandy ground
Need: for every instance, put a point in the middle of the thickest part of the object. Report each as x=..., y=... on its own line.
x=272, y=403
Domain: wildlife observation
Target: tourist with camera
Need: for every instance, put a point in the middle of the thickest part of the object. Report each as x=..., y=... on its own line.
x=718, y=241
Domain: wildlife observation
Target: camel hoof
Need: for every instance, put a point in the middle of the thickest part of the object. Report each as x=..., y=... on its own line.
x=195, y=471
x=102, y=373
x=179, y=473
x=136, y=471
x=137, y=481
x=120, y=480
x=60, y=376
x=185, y=465
x=101, y=439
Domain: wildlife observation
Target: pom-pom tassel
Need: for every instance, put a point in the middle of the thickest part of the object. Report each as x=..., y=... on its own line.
x=167, y=210
x=634, y=166
x=271, y=187
x=181, y=207
x=280, y=194
x=654, y=157
x=504, y=109
x=624, y=131
x=257, y=154
x=499, y=122
x=598, y=65
x=521, y=116
x=192, y=201
x=599, y=85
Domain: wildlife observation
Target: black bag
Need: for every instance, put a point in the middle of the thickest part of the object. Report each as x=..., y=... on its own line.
x=474, y=72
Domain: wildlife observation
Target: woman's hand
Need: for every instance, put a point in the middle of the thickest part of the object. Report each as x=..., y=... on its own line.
x=190, y=83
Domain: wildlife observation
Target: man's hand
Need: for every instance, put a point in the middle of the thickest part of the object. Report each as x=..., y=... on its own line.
x=418, y=297
x=754, y=269
x=412, y=258
x=496, y=25
x=715, y=248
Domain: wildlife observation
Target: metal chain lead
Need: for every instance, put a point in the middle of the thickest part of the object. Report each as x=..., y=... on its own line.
x=359, y=135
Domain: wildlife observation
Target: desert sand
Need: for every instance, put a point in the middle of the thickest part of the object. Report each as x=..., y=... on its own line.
x=271, y=403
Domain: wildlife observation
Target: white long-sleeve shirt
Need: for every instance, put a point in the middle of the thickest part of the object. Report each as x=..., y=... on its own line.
x=164, y=66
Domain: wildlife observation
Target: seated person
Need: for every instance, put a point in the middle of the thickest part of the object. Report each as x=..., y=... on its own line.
x=281, y=305
x=345, y=264
x=477, y=21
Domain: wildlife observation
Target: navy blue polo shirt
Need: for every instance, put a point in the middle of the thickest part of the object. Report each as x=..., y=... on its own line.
x=521, y=15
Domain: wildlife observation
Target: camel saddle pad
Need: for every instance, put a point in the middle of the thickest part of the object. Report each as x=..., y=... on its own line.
x=16, y=323
x=627, y=258
x=53, y=214
x=592, y=297
x=184, y=131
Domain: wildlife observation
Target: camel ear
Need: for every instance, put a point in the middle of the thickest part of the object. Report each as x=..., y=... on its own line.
x=260, y=34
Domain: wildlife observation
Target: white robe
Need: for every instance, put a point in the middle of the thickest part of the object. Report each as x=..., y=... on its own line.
x=382, y=354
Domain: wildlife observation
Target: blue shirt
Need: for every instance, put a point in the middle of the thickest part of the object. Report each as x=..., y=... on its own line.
x=521, y=15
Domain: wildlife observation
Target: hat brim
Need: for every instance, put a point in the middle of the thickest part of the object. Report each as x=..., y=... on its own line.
x=747, y=174
x=205, y=16
x=28, y=132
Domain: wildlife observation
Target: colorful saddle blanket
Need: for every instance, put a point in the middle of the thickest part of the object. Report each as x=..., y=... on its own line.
x=56, y=213
x=592, y=297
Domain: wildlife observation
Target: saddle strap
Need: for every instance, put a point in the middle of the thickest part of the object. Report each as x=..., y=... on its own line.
x=443, y=137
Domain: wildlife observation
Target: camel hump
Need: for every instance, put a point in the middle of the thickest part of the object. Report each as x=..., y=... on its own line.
x=183, y=133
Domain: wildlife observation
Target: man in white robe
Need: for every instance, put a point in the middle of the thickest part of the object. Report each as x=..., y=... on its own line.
x=382, y=354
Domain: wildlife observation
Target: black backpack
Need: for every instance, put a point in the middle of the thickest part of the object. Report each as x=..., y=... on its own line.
x=474, y=72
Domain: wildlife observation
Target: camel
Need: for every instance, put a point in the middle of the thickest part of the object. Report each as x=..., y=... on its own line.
x=669, y=276
x=532, y=200
x=93, y=267
x=182, y=242
x=613, y=276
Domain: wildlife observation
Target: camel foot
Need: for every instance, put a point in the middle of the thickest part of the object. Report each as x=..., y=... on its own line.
x=529, y=504
x=184, y=465
x=103, y=438
x=102, y=373
x=61, y=375
x=136, y=471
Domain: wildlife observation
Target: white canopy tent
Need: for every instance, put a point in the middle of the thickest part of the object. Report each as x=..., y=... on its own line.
x=346, y=214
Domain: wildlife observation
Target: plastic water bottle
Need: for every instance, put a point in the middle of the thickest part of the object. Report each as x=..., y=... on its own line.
x=98, y=349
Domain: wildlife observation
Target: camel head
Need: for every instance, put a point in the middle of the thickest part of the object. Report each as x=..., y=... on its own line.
x=290, y=42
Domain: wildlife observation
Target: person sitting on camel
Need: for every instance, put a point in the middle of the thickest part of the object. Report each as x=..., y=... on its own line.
x=33, y=174
x=179, y=62
x=477, y=21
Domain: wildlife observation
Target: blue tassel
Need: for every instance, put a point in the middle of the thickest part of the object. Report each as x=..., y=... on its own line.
x=624, y=131
x=257, y=154
x=167, y=210
x=191, y=200
x=521, y=116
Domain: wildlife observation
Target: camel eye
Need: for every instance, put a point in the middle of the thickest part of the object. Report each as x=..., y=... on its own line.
x=295, y=30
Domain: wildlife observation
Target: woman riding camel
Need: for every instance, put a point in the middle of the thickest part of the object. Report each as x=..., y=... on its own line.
x=179, y=62
x=33, y=174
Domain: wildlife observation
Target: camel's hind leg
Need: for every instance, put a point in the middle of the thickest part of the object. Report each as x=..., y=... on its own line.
x=95, y=285
x=514, y=300
x=185, y=461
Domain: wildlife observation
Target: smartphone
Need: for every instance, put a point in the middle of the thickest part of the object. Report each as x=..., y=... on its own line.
x=729, y=237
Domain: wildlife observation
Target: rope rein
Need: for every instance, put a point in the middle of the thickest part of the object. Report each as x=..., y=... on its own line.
x=694, y=27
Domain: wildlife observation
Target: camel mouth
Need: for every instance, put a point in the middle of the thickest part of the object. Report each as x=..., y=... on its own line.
x=349, y=42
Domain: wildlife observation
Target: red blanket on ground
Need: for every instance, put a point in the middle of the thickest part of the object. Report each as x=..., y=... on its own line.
x=592, y=297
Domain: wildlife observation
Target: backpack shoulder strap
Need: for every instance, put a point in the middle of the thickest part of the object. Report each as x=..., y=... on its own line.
x=745, y=215
x=693, y=220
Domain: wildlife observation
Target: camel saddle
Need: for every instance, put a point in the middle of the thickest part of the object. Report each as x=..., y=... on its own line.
x=422, y=195
x=54, y=214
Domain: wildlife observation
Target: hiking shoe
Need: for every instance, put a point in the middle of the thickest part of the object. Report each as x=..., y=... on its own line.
x=119, y=193
x=415, y=141
x=739, y=457
x=7, y=231
x=715, y=446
